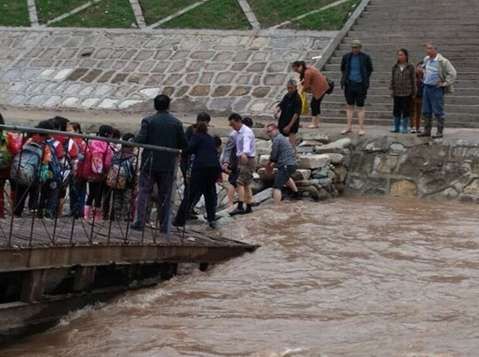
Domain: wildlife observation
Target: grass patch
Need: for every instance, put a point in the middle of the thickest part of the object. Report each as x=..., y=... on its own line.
x=155, y=10
x=214, y=14
x=329, y=20
x=107, y=13
x=50, y=9
x=273, y=12
x=14, y=13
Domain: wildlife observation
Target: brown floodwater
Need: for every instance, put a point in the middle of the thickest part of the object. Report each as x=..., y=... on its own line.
x=352, y=277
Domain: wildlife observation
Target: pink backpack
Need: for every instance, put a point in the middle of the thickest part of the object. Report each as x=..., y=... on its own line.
x=96, y=162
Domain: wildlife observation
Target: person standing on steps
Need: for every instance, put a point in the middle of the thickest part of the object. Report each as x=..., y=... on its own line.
x=439, y=78
x=314, y=82
x=288, y=112
x=284, y=158
x=246, y=153
x=356, y=69
x=416, y=106
x=158, y=167
x=403, y=89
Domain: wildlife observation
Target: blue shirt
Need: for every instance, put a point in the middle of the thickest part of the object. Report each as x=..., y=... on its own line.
x=431, y=72
x=355, y=69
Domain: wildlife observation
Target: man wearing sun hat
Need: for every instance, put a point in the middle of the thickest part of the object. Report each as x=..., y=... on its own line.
x=356, y=69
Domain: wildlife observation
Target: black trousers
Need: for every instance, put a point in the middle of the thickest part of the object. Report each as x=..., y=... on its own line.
x=402, y=107
x=203, y=183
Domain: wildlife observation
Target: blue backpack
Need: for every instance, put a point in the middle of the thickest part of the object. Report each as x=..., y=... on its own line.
x=26, y=164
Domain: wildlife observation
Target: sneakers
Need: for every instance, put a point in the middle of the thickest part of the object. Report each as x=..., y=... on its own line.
x=413, y=131
x=213, y=225
x=137, y=227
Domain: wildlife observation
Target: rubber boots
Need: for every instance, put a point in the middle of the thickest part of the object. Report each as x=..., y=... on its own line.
x=87, y=213
x=427, y=128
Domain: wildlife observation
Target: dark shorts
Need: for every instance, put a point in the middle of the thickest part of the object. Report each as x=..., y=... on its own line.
x=355, y=94
x=294, y=128
x=283, y=175
x=316, y=106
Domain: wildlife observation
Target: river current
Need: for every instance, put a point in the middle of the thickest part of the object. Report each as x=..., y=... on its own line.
x=351, y=277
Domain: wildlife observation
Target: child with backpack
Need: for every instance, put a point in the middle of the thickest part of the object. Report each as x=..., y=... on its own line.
x=121, y=180
x=77, y=189
x=9, y=146
x=93, y=169
x=31, y=170
x=67, y=151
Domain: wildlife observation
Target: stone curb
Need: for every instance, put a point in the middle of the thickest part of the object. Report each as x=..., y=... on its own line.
x=220, y=33
x=329, y=51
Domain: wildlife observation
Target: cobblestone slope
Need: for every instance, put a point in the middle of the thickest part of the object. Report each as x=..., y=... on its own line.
x=220, y=71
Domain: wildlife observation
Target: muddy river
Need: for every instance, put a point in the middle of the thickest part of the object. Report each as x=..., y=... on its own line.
x=352, y=277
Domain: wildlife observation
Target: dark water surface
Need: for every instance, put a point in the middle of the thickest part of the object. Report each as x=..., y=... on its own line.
x=353, y=277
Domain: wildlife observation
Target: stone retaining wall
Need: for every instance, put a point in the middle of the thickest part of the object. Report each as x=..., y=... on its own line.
x=410, y=166
x=218, y=71
x=401, y=166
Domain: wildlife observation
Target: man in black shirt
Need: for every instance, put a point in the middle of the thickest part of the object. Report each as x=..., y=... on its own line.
x=158, y=167
x=289, y=111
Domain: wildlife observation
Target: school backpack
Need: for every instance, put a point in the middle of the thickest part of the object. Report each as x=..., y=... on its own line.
x=5, y=155
x=121, y=173
x=93, y=166
x=26, y=164
x=57, y=172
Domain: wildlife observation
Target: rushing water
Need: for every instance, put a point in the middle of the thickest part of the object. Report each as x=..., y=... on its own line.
x=355, y=277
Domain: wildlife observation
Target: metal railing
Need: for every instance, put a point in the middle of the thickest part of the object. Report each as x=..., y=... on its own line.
x=115, y=205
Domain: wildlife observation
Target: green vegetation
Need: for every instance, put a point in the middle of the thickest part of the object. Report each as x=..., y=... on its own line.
x=14, y=13
x=273, y=12
x=155, y=10
x=107, y=13
x=328, y=20
x=214, y=14
x=50, y=9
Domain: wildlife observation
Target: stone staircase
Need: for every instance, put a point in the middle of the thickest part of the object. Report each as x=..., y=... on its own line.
x=387, y=25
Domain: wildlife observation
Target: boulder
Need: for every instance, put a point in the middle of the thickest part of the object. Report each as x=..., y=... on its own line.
x=263, y=195
x=336, y=159
x=473, y=188
x=302, y=174
x=313, y=162
x=340, y=174
x=404, y=188
x=263, y=160
x=337, y=146
x=263, y=147
x=314, y=136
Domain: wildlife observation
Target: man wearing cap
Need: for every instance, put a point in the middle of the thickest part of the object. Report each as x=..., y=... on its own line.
x=356, y=69
x=439, y=78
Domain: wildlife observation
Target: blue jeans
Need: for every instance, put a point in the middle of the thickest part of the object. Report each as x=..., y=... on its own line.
x=433, y=102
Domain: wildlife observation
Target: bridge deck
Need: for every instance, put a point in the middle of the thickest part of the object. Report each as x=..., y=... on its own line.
x=51, y=244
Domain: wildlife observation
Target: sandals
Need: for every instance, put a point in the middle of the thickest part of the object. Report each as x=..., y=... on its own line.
x=346, y=131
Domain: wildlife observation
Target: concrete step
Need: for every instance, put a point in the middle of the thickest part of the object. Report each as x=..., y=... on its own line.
x=380, y=21
x=442, y=36
x=381, y=65
x=458, y=62
x=413, y=47
x=333, y=73
x=387, y=105
x=384, y=81
x=387, y=115
x=341, y=119
x=471, y=43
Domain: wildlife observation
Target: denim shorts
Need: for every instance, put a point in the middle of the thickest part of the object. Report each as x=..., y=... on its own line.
x=283, y=175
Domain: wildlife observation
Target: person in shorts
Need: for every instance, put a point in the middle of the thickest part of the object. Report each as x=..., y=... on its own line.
x=246, y=154
x=356, y=69
x=284, y=158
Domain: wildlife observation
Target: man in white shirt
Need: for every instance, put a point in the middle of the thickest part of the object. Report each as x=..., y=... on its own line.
x=246, y=154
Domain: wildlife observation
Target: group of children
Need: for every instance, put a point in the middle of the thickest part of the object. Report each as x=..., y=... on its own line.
x=98, y=176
